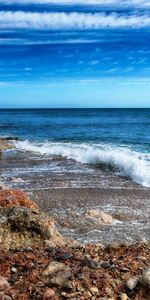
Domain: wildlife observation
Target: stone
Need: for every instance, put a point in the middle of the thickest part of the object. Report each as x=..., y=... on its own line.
x=94, y=290
x=21, y=227
x=100, y=216
x=60, y=278
x=90, y=263
x=48, y=294
x=145, y=278
x=53, y=267
x=4, y=285
x=16, y=198
x=4, y=187
x=124, y=296
x=105, y=265
x=132, y=283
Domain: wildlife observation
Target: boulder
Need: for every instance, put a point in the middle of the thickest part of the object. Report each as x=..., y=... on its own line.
x=145, y=278
x=21, y=227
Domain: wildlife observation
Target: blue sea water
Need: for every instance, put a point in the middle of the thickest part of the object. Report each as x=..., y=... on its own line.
x=115, y=138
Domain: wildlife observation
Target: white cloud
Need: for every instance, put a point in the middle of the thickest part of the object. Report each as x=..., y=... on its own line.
x=71, y=21
x=137, y=3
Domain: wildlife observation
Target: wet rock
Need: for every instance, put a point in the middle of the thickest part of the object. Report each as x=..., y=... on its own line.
x=60, y=278
x=48, y=294
x=90, y=263
x=53, y=267
x=4, y=145
x=145, y=278
x=132, y=283
x=4, y=285
x=101, y=217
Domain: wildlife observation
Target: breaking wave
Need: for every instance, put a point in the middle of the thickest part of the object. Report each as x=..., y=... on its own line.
x=133, y=164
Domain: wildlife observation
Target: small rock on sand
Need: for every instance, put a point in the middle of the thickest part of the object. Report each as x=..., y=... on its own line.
x=100, y=216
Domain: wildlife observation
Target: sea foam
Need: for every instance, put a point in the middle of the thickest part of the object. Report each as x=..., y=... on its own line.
x=125, y=161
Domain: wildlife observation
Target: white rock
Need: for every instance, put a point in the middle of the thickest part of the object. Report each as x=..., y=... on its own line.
x=132, y=283
x=145, y=278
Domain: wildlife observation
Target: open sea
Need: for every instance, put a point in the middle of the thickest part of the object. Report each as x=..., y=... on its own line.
x=106, y=150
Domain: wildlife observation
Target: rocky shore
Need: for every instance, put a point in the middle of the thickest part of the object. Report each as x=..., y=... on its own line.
x=36, y=262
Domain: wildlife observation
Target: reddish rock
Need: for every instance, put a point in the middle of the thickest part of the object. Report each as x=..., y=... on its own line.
x=15, y=198
x=49, y=294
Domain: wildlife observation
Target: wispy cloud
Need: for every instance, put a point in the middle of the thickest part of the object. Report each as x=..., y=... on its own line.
x=71, y=21
x=136, y=3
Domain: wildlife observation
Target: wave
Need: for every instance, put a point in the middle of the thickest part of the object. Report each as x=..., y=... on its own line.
x=128, y=162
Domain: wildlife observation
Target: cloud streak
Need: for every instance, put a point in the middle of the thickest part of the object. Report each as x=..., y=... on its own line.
x=70, y=21
x=136, y=3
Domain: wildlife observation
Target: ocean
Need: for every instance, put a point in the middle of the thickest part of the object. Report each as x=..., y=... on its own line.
x=72, y=161
x=94, y=142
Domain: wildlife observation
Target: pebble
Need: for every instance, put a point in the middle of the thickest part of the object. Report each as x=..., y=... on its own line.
x=53, y=267
x=94, y=290
x=145, y=278
x=14, y=270
x=132, y=283
x=90, y=263
x=60, y=278
x=105, y=265
x=4, y=285
x=48, y=294
x=124, y=296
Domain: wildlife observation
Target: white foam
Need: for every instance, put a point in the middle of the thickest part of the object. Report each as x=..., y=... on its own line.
x=133, y=164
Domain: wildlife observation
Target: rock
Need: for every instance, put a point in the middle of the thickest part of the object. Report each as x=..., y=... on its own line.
x=4, y=285
x=21, y=227
x=16, y=198
x=92, y=264
x=145, y=278
x=60, y=278
x=4, y=187
x=101, y=217
x=53, y=267
x=4, y=145
x=124, y=296
x=132, y=283
x=105, y=265
x=48, y=294
x=94, y=290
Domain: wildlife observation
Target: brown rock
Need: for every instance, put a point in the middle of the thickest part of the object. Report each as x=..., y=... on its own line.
x=49, y=294
x=60, y=278
x=4, y=285
x=53, y=267
x=15, y=198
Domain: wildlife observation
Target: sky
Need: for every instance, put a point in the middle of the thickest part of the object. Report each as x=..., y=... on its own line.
x=74, y=53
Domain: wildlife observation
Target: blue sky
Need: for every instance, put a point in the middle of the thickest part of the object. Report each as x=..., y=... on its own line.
x=74, y=53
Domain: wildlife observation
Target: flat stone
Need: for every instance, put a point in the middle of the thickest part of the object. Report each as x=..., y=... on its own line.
x=60, y=278
x=90, y=263
x=53, y=268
